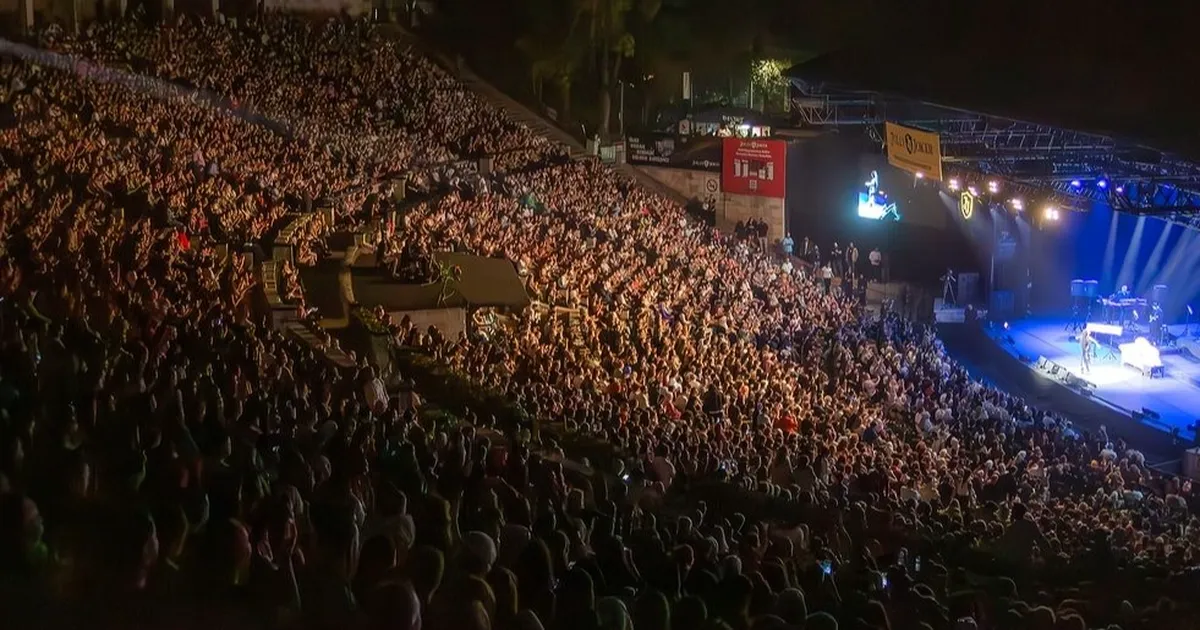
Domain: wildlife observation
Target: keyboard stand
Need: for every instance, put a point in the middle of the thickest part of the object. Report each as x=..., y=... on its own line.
x=1108, y=351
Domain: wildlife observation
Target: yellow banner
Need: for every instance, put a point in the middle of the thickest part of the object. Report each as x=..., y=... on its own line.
x=914, y=150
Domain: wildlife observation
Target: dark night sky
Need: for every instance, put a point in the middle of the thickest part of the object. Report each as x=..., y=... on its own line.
x=1119, y=68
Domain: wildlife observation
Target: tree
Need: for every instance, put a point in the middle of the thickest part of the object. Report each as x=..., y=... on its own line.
x=767, y=75
x=552, y=46
x=611, y=42
x=662, y=56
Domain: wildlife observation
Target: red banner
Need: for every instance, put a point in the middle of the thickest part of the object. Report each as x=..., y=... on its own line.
x=751, y=166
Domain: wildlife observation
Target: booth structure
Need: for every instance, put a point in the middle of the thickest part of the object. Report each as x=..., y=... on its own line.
x=738, y=122
x=478, y=282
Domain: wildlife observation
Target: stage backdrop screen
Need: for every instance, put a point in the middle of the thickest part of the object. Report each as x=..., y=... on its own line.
x=750, y=166
x=671, y=151
x=886, y=193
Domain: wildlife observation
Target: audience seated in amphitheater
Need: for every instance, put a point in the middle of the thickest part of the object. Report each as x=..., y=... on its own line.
x=170, y=460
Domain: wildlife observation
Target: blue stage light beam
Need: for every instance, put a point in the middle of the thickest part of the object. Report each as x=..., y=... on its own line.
x=1184, y=251
x=1129, y=266
x=1150, y=270
x=1110, y=249
x=1179, y=273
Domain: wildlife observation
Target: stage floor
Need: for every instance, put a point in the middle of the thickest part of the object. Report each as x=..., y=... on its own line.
x=1175, y=396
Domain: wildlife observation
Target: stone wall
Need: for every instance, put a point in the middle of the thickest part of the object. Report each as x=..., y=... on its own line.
x=734, y=208
x=691, y=184
x=702, y=185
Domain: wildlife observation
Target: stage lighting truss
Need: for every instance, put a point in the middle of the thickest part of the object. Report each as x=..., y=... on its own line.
x=1044, y=164
x=1075, y=169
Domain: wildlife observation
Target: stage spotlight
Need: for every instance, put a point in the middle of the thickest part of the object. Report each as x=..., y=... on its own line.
x=1005, y=325
x=1016, y=204
x=920, y=175
x=1120, y=190
x=1051, y=213
x=1075, y=183
x=993, y=186
x=973, y=190
x=1102, y=183
x=953, y=184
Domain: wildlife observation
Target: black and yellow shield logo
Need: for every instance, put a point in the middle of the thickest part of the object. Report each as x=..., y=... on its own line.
x=966, y=204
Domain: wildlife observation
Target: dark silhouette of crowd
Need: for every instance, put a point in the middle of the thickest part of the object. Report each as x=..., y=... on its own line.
x=773, y=458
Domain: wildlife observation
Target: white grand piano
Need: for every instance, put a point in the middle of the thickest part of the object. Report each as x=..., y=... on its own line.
x=1143, y=356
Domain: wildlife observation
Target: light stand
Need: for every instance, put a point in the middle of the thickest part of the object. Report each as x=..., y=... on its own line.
x=1108, y=350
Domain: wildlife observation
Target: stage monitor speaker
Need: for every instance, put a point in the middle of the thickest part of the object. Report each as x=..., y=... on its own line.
x=1077, y=288
x=1078, y=383
x=1159, y=294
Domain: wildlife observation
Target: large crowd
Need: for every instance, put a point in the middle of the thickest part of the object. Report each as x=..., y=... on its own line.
x=168, y=459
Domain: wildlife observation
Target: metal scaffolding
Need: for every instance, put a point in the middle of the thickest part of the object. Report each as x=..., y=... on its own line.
x=1079, y=167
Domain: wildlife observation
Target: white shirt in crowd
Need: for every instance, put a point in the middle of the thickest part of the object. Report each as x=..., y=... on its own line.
x=376, y=393
x=664, y=470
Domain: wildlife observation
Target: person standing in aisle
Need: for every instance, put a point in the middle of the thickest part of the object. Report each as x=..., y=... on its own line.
x=876, y=260
x=787, y=245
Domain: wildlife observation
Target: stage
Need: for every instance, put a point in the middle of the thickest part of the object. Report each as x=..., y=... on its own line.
x=1117, y=390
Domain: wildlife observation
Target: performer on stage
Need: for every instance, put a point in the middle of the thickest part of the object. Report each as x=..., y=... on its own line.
x=1115, y=310
x=1155, y=322
x=1086, y=348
